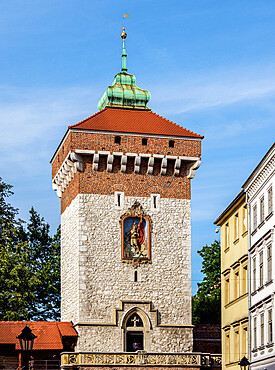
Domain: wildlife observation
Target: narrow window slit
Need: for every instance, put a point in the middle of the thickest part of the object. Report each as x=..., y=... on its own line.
x=117, y=139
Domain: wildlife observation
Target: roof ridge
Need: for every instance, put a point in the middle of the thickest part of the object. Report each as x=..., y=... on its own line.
x=191, y=132
x=86, y=119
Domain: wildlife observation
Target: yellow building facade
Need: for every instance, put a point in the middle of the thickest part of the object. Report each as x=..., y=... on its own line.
x=233, y=224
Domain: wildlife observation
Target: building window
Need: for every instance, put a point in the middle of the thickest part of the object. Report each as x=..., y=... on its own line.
x=269, y=263
x=171, y=143
x=244, y=341
x=254, y=274
x=255, y=332
x=227, y=235
x=117, y=140
x=261, y=268
x=119, y=200
x=244, y=281
x=237, y=284
x=227, y=347
x=226, y=292
x=236, y=346
x=262, y=329
x=270, y=200
x=245, y=219
x=255, y=217
x=261, y=209
x=134, y=333
x=144, y=141
x=155, y=198
x=270, y=327
x=135, y=275
x=236, y=220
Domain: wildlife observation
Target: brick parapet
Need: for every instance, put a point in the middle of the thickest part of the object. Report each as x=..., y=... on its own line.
x=137, y=184
x=129, y=143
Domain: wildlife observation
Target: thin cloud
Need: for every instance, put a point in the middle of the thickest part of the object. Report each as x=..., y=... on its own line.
x=216, y=90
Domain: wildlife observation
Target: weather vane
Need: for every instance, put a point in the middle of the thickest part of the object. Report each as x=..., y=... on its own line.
x=125, y=16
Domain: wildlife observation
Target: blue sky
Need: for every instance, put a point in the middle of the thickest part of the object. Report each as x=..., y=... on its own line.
x=208, y=64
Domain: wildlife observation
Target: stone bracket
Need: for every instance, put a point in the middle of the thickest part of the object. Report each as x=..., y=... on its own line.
x=191, y=169
x=72, y=164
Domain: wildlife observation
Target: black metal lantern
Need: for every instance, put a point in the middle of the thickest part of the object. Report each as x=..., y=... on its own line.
x=244, y=363
x=26, y=339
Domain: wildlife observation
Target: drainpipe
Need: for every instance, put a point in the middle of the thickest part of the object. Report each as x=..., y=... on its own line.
x=249, y=274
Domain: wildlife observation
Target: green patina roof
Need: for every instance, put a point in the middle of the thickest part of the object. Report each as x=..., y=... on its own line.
x=124, y=92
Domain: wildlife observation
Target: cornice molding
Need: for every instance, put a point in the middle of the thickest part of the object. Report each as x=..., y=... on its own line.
x=264, y=171
x=74, y=162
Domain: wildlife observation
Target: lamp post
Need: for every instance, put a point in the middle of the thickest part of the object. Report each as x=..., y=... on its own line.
x=244, y=363
x=26, y=339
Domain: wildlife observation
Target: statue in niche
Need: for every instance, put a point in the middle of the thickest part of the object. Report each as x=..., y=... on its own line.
x=135, y=235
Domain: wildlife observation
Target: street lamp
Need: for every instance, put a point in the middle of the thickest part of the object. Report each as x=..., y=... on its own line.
x=26, y=339
x=244, y=363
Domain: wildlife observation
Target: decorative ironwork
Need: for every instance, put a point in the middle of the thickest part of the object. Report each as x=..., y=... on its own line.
x=140, y=358
x=216, y=360
x=73, y=359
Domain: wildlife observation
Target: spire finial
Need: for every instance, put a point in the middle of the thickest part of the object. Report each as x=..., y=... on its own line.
x=124, y=54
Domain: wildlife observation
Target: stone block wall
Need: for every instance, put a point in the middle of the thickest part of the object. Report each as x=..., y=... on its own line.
x=97, y=284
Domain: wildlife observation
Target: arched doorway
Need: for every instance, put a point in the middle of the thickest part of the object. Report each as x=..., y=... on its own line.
x=134, y=333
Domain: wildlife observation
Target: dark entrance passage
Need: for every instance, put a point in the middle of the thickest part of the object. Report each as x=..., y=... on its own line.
x=134, y=341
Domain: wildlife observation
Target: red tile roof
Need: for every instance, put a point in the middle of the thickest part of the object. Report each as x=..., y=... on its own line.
x=133, y=121
x=49, y=333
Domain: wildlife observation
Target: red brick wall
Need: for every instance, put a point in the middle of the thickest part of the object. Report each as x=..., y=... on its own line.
x=142, y=184
x=207, y=338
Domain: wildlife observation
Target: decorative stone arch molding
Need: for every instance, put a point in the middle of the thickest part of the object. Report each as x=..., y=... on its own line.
x=145, y=328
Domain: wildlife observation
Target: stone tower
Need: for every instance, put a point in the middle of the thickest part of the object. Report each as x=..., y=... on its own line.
x=124, y=177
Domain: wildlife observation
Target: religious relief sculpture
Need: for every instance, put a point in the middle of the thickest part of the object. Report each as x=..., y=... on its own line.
x=135, y=234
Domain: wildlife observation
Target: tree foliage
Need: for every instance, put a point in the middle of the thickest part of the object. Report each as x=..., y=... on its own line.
x=29, y=265
x=206, y=304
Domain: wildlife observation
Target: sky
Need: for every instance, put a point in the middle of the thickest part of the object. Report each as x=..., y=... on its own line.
x=208, y=64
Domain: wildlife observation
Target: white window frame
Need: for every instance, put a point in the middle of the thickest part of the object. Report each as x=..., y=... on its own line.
x=269, y=262
x=255, y=332
x=269, y=326
x=262, y=339
x=262, y=209
x=254, y=274
x=270, y=200
x=255, y=223
x=261, y=268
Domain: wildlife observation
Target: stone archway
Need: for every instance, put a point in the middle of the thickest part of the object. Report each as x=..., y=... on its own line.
x=136, y=327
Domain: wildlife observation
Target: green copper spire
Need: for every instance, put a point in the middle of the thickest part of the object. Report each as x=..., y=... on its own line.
x=124, y=92
x=124, y=54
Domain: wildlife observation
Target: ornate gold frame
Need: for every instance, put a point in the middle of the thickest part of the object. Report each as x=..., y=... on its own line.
x=135, y=211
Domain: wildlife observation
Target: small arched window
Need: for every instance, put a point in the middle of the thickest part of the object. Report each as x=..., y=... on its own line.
x=134, y=333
